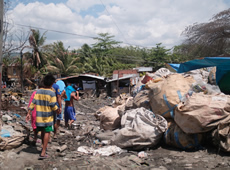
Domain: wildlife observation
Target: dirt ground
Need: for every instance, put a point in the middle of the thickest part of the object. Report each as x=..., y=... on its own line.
x=162, y=157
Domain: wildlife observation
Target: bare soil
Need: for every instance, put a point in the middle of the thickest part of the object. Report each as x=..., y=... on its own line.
x=161, y=157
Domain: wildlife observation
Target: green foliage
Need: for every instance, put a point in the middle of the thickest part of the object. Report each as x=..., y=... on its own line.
x=100, y=58
x=34, y=61
x=104, y=44
x=62, y=61
x=36, y=41
x=129, y=55
x=84, y=53
x=182, y=53
x=158, y=56
x=104, y=57
x=106, y=54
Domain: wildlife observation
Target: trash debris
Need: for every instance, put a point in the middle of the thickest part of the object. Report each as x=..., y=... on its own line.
x=103, y=151
x=142, y=154
x=146, y=79
x=97, y=142
x=142, y=100
x=107, y=135
x=85, y=149
x=136, y=159
x=62, y=148
x=105, y=142
x=108, y=150
x=6, y=118
x=133, y=122
x=8, y=131
x=11, y=142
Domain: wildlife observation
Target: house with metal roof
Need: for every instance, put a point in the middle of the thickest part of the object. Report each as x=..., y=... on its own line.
x=90, y=85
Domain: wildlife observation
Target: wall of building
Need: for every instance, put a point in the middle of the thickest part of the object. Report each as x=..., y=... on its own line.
x=123, y=73
x=13, y=72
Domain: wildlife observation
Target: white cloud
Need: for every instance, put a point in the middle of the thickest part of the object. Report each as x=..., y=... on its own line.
x=136, y=22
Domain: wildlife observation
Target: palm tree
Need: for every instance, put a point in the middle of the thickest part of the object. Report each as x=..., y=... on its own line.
x=36, y=41
x=29, y=70
x=61, y=61
x=34, y=62
x=84, y=52
x=99, y=64
x=95, y=64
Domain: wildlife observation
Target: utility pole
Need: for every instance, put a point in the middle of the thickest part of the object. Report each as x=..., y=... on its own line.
x=1, y=39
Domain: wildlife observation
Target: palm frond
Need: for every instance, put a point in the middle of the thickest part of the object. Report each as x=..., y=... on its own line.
x=53, y=69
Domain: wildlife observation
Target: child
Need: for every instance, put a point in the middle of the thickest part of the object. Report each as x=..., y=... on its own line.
x=45, y=101
x=69, y=113
x=62, y=86
x=33, y=117
x=57, y=117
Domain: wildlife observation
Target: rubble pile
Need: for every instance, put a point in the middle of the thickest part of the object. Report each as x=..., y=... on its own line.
x=192, y=109
x=133, y=131
x=13, y=100
x=13, y=131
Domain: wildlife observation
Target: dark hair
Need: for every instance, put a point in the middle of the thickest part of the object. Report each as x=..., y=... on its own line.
x=40, y=84
x=68, y=82
x=74, y=86
x=48, y=80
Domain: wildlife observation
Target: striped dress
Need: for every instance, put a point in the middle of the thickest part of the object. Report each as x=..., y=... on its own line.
x=45, y=102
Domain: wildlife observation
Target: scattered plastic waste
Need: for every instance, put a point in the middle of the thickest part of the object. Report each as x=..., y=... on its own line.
x=142, y=154
x=103, y=151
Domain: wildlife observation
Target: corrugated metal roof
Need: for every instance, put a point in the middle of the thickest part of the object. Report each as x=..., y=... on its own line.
x=143, y=69
x=92, y=76
x=125, y=71
x=64, y=78
x=82, y=75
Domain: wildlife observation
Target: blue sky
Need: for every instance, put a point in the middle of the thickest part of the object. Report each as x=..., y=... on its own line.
x=227, y=2
x=93, y=11
x=139, y=23
x=43, y=1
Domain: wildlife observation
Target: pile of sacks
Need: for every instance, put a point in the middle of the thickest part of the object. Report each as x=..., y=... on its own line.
x=182, y=108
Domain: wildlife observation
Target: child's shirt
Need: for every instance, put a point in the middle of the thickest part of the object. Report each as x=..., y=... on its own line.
x=61, y=85
x=56, y=90
x=69, y=89
x=46, y=102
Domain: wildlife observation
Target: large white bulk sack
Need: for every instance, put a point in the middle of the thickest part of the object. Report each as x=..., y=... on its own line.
x=141, y=128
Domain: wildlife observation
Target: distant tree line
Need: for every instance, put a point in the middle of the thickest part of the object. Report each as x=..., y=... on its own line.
x=201, y=40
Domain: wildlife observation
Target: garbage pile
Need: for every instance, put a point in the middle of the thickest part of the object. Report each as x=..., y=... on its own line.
x=13, y=130
x=12, y=97
x=181, y=110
